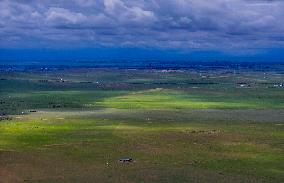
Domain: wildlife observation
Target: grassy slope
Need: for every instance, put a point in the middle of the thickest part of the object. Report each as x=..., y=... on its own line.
x=158, y=121
x=184, y=142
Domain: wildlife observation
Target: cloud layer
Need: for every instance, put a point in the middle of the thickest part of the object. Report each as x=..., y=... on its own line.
x=199, y=24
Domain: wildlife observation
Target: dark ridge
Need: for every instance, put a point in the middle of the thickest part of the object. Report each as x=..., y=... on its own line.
x=173, y=65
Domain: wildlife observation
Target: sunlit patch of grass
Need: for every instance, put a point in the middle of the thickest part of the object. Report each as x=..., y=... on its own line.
x=42, y=132
x=173, y=99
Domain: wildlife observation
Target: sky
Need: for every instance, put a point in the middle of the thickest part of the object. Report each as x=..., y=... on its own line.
x=183, y=29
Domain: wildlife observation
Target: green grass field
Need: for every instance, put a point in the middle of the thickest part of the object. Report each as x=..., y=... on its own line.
x=177, y=126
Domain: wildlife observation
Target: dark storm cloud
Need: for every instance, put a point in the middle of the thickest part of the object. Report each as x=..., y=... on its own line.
x=142, y=23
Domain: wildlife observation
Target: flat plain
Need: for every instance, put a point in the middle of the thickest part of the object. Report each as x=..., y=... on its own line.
x=73, y=125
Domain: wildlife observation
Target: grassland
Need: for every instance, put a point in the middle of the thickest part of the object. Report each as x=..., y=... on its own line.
x=178, y=126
